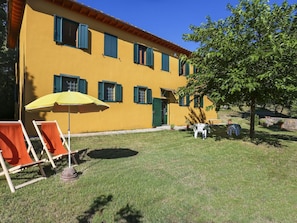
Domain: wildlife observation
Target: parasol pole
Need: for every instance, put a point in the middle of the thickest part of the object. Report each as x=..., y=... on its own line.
x=69, y=151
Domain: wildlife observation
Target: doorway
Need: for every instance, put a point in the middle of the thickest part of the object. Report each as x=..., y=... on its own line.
x=160, y=112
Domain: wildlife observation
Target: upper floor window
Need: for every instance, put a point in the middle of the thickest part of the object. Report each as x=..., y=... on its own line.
x=70, y=33
x=110, y=91
x=165, y=62
x=110, y=45
x=142, y=95
x=195, y=70
x=184, y=101
x=184, y=68
x=143, y=55
x=65, y=82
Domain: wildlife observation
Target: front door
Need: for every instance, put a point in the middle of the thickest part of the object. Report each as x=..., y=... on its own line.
x=159, y=112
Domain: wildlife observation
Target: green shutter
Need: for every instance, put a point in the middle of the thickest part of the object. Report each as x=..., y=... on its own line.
x=187, y=100
x=149, y=57
x=107, y=44
x=195, y=101
x=187, y=69
x=149, y=98
x=201, y=102
x=82, y=86
x=115, y=47
x=180, y=67
x=101, y=91
x=110, y=45
x=165, y=62
x=119, y=93
x=136, y=55
x=57, y=83
x=136, y=98
x=180, y=101
x=58, y=29
x=83, y=36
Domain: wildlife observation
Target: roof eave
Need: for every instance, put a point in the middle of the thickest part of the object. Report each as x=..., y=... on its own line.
x=15, y=16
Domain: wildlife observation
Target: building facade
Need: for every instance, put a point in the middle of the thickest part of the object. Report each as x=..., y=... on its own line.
x=65, y=45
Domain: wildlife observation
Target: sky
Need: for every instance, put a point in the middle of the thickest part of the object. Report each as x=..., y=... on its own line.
x=167, y=19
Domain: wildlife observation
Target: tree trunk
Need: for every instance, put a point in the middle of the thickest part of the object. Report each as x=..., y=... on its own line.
x=252, y=117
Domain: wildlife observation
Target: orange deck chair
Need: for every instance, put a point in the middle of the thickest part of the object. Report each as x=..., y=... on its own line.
x=53, y=141
x=17, y=152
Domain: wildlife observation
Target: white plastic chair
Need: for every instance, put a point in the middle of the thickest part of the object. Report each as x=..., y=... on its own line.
x=200, y=128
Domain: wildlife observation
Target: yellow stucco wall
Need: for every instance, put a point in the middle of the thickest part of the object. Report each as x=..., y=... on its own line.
x=41, y=58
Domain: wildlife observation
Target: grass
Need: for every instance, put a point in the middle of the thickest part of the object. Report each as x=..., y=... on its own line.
x=167, y=177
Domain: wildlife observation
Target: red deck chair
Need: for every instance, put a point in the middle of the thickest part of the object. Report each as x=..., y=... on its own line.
x=53, y=141
x=16, y=151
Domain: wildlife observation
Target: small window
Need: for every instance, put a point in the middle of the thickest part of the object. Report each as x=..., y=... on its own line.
x=65, y=82
x=195, y=70
x=110, y=45
x=165, y=62
x=184, y=101
x=184, y=68
x=110, y=91
x=142, y=95
x=143, y=55
x=70, y=33
x=198, y=102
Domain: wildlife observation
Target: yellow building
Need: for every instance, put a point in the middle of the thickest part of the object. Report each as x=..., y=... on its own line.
x=64, y=45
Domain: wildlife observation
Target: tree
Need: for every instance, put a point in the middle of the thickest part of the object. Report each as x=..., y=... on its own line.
x=248, y=58
x=7, y=62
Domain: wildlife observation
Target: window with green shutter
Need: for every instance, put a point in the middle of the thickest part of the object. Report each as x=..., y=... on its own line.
x=165, y=62
x=142, y=95
x=70, y=33
x=110, y=45
x=110, y=91
x=143, y=55
x=198, y=102
x=184, y=101
x=65, y=82
x=183, y=67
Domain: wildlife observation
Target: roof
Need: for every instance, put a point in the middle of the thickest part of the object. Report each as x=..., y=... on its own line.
x=15, y=17
x=16, y=11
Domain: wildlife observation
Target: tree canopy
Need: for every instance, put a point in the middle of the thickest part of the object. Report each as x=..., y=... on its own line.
x=247, y=58
x=7, y=62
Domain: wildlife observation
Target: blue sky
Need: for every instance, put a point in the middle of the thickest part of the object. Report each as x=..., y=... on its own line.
x=168, y=19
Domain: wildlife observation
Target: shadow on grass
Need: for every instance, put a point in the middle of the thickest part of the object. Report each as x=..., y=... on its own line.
x=97, y=206
x=111, y=153
x=128, y=214
x=219, y=132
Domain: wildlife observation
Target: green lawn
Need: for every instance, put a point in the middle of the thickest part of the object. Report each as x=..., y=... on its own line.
x=167, y=176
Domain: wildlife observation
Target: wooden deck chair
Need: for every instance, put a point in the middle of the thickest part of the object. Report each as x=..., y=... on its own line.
x=53, y=141
x=17, y=152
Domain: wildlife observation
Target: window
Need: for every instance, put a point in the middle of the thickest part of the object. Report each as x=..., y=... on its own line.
x=65, y=82
x=110, y=91
x=110, y=45
x=184, y=101
x=143, y=55
x=70, y=33
x=184, y=68
x=195, y=69
x=198, y=102
x=165, y=62
x=142, y=95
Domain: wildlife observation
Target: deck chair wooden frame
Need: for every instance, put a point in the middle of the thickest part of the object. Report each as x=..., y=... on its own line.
x=17, y=153
x=53, y=143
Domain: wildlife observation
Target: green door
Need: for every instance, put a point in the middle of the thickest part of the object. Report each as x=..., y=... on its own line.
x=157, y=112
x=164, y=112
